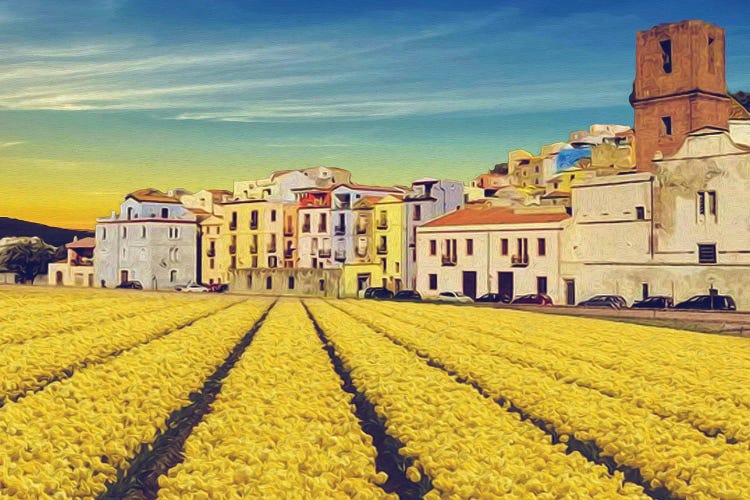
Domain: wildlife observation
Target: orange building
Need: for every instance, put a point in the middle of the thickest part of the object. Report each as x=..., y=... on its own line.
x=679, y=87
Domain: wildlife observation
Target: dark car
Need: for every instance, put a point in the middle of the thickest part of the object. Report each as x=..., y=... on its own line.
x=130, y=285
x=380, y=293
x=654, y=302
x=540, y=299
x=408, y=295
x=610, y=301
x=217, y=287
x=493, y=297
x=709, y=303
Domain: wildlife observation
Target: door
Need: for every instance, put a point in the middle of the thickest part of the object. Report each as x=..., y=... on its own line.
x=91, y=280
x=123, y=276
x=570, y=292
x=59, y=278
x=470, y=284
x=505, y=285
x=363, y=281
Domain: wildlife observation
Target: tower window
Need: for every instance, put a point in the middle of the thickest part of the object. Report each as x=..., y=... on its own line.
x=666, y=55
x=666, y=125
x=711, y=54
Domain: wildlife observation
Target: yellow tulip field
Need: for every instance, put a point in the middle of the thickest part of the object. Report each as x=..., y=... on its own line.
x=128, y=394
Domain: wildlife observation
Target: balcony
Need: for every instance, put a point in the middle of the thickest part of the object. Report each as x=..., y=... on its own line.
x=339, y=230
x=322, y=228
x=382, y=249
x=289, y=231
x=324, y=253
x=232, y=249
x=272, y=248
x=305, y=228
x=519, y=260
x=448, y=260
x=253, y=249
x=361, y=251
x=233, y=226
x=288, y=253
x=340, y=255
x=361, y=229
x=211, y=252
x=383, y=224
x=253, y=224
x=85, y=262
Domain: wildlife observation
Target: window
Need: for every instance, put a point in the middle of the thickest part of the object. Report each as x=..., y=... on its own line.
x=666, y=125
x=644, y=290
x=290, y=283
x=640, y=213
x=249, y=280
x=398, y=267
x=164, y=213
x=323, y=223
x=707, y=254
x=666, y=55
x=433, y=281
x=711, y=54
x=306, y=224
x=706, y=202
x=470, y=247
x=541, y=244
x=143, y=231
x=383, y=264
x=433, y=247
x=173, y=275
x=233, y=262
x=269, y=283
x=322, y=285
x=555, y=184
x=130, y=213
x=211, y=263
x=536, y=169
x=504, y=246
x=417, y=212
x=273, y=215
x=541, y=284
x=254, y=219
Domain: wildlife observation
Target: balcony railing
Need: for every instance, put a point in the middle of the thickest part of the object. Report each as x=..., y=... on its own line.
x=232, y=226
x=383, y=224
x=322, y=228
x=519, y=260
x=82, y=263
x=253, y=224
x=272, y=248
x=339, y=230
x=324, y=253
x=448, y=260
x=305, y=228
x=340, y=255
x=289, y=231
x=361, y=251
x=382, y=249
x=232, y=248
x=288, y=253
x=253, y=249
x=211, y=252
x=361, y=228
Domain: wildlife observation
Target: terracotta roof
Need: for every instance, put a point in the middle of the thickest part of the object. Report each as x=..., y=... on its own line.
x=477, y=215
x=89, y=242
x=151, y=194
x=739, y=107
x=557, y=194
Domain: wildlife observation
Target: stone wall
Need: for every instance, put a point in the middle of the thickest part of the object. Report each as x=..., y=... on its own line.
x=279, y=281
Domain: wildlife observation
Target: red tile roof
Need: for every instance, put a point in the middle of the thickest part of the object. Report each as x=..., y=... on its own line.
x=151, y=194
x=477, y=215
x=89, y=242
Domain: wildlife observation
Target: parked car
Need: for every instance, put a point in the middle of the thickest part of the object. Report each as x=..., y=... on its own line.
x=194, y=288
x=493, y=297
x=217, y=287
x=709, y=303
x=540, y=299
x=454, y=297
x=408, y=295
x=130, y=285
x=653, y=302
x=370, y=290
x=611, y=301
x=380, y=294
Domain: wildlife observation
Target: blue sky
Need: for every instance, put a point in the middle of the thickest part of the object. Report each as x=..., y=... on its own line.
x=101, y=97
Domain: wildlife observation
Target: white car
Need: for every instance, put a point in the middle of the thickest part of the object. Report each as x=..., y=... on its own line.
x=454, y=297
x=193, y=287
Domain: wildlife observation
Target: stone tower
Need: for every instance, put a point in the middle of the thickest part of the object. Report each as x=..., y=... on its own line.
x=680, y=86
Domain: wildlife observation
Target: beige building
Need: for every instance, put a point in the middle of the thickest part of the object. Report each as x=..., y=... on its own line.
x=78, y=267
x=481, y=249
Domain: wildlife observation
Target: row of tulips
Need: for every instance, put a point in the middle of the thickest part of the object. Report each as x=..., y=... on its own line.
x=71, y=439
x=280, y=427
x=668, y=452
x=470, y=446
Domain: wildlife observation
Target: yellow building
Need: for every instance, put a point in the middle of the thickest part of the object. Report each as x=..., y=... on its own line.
x=365, y=270
x=215, y=263
x=253, y=233
x=389, y=237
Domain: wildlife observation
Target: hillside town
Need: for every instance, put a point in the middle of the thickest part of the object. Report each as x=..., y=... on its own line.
x=654, y=209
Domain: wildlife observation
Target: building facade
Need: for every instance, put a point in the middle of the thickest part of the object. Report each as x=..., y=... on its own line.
x=78, y=267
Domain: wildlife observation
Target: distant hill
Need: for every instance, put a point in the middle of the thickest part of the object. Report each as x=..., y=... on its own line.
x=52, y=235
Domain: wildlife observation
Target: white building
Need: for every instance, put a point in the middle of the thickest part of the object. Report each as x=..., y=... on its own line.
x=679, y=232
x=482, y=249
x=281, y=184
x=152, y=240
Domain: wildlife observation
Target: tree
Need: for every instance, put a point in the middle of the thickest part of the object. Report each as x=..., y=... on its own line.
x=27, y=257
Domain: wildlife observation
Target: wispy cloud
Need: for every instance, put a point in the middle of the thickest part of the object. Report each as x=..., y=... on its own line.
x=10, y=144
